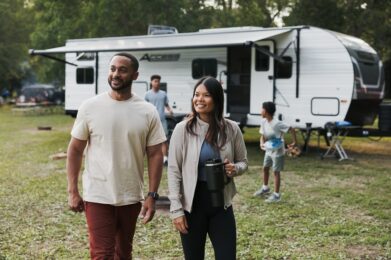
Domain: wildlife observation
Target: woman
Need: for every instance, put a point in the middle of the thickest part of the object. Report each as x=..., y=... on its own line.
x=204, y=135
x=272, y=142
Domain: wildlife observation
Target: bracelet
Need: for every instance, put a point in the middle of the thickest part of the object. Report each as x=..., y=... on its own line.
x=176, y=211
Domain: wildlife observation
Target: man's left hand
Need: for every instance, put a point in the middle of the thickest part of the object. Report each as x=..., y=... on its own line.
x=148, y=210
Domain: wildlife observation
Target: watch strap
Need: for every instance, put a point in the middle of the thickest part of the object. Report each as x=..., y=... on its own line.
x=154, y=195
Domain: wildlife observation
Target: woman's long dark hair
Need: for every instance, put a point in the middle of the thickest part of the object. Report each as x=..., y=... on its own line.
x=216, y=134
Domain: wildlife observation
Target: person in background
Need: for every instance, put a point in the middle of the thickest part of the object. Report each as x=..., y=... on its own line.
x=159, y=99
x=272, y=131
x=205, y=134
x=118, y=129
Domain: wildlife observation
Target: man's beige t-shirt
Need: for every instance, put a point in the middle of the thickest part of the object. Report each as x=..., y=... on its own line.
x=118, y=133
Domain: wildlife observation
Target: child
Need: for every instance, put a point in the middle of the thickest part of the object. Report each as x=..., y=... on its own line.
x=272, y=142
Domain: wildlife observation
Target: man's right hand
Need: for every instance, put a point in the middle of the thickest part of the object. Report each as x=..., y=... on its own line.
x=75, y=202
x=181, y=224
x=74, y=161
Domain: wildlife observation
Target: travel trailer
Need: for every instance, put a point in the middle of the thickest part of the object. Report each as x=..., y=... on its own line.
x=314, y=76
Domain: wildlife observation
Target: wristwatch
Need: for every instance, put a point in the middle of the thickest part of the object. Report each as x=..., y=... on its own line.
x=153, y=195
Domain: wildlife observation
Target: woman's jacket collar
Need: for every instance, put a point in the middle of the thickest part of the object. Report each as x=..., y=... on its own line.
x=202, y=124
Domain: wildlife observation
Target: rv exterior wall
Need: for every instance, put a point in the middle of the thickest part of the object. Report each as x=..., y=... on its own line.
x=326, y=79
x=326, y=72
x=176, y=73
x=76, y=93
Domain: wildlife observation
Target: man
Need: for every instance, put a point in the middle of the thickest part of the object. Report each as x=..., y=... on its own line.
x=159, y=99
x=118, y=128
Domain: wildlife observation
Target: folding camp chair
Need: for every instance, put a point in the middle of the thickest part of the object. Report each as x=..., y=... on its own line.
x=336, y=133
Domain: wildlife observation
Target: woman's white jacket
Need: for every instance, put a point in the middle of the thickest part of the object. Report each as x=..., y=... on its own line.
x=184, y=153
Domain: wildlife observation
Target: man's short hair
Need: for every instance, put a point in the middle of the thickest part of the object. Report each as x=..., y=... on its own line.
x=155, y=77
x=134, y=61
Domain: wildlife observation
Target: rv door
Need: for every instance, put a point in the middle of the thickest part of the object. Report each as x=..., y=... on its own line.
x=262, y=75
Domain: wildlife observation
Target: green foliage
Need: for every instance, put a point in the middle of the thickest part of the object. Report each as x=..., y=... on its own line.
x=41, y=24
x=261, y=12
x=325, y=14
x=369, y=20
x=56, y=21
x=14, y=30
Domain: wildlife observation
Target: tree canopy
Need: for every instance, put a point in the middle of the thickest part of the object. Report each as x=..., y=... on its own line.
x=366, y=19
x=14, y=39
x=41, y=24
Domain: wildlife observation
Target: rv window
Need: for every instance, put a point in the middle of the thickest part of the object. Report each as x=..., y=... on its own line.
x=366, y=56
x=369, y=67
x=262, y=60
x=370, y=73
x=283, y=69
x=85, y=75
x=85, y=56
x=204, y=67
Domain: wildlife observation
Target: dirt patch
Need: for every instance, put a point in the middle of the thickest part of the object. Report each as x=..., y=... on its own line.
x=358, y=182
x=58, y=156
x=362, y=252
x=44, y=128
x=255, y=167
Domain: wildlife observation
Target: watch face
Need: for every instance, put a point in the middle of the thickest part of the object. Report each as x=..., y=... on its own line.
x=154, y=195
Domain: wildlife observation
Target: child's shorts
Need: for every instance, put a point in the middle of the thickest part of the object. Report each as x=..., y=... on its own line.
x=277, y=163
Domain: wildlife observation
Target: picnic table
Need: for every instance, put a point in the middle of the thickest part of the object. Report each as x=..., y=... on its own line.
x=33, y=108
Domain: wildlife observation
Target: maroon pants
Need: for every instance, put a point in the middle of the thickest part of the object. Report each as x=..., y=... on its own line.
x=111, y=230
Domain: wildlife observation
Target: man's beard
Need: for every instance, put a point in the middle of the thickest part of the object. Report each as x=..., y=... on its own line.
x=121, y=87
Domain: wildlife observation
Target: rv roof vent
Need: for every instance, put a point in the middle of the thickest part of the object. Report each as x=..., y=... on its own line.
x=161, y=29
x=230, y=29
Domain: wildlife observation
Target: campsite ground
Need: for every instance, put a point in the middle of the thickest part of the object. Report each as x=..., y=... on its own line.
x=330, y=209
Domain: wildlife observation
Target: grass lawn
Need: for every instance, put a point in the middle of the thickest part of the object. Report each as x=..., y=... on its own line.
x=329, y=209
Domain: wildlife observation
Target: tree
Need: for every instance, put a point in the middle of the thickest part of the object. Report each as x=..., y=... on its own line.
x=325, y=14
x=55, y=22
x=14, y=31
x=366, y=19
x=370, y=20
x=58, y=21
x=261, y=12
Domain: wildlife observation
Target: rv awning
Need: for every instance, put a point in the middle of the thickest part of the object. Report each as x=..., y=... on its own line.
x=171, y=41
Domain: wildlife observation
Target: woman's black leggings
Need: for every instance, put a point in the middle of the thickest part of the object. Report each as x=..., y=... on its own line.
x=217, y=222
